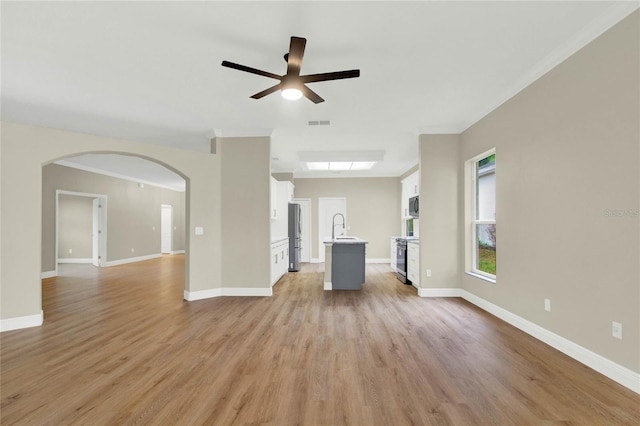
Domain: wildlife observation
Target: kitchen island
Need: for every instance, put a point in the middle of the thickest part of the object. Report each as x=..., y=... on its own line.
x=344, y=263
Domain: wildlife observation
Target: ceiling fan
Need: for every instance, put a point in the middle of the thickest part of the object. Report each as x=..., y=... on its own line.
x=292, y=84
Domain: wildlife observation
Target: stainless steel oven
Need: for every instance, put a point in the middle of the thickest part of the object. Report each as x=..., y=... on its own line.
x=401, y=257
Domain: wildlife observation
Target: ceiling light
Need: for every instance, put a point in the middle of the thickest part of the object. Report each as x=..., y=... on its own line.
x=340, y=165
x=318, y=166
x=291, y=94
x=362, y=165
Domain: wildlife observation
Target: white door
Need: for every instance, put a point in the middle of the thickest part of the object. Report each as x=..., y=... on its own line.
x=327, y=208
x=305, y=219
x=166, y=223
x=95, y=233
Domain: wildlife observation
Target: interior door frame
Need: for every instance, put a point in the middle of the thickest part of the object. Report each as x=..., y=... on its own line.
x=320, y=236
x=170, y=208
x=102, y=225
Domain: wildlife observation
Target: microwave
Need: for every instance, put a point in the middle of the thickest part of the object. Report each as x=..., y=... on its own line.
x=414, y=207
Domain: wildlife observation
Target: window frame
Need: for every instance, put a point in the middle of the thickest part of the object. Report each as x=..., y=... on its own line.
x=471, y=199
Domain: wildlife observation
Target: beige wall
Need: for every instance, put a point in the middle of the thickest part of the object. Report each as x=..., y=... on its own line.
x=75, y=221
x=568, y=154
x=283, y=177
x=246, y=234
x=25, y=149
x=373, y=209
x=440, y=198
x=132, y=213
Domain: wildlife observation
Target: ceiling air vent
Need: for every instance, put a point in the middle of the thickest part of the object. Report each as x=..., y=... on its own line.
x=319, y=123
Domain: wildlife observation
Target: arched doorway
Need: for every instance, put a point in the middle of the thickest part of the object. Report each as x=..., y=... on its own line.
x=130, y=202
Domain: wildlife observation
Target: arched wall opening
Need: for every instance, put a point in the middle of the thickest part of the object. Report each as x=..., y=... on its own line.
x=128, y=214
x=27, y=149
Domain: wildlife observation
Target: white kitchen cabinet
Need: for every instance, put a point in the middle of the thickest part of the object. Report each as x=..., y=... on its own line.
x=285, y=194
x=413, y=262
x=280, y=224
x=274, y=198
x=279, y=259
x=410, y=188
x=393, y=250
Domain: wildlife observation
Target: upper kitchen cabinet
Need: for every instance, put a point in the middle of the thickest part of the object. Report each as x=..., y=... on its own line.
x=285, y=194
x=410, y=188
x=280, y=212
x=274, y=198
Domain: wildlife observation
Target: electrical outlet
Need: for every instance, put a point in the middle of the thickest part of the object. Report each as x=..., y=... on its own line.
x=428, y=272
x=154, y=228
x=132, y=250
x=616, y=330
x=70, y=251
x=547, y=305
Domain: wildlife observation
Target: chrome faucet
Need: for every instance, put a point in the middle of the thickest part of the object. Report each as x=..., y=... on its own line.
x=333, y=228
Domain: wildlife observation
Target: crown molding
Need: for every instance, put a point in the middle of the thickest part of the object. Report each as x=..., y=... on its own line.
x=598, y=27
x=243, y=133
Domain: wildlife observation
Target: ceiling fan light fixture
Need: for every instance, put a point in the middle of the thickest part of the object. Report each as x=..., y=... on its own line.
x=291, y=93
x=292, y=85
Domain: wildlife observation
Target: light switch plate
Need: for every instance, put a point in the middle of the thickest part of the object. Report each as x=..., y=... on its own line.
x=199, y=230
x=616, y=330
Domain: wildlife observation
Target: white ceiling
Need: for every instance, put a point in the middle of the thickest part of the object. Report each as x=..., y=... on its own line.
x=127, y=167
x=150, y=71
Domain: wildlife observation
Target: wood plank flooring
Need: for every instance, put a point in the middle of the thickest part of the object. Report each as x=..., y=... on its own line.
x=120, y=346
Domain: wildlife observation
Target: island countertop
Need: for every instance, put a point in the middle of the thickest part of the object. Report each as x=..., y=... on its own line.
x=344, y=240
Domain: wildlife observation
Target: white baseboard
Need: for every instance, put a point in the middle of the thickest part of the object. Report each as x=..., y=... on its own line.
x=439, y=292
x=190, y=296
x=48, y=274
x=178, y=252
x=315, y=260
x=374, y=260
x=612, y=370
x=261, y=292
x=616, y=372
x=328, y=286
x=132, y=259
x=22, y=322
x=75, y=260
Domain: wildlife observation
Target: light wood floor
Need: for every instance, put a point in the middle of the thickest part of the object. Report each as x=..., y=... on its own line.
x=120, y=346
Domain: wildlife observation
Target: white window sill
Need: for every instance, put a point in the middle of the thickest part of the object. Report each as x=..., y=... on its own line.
x=482, y=277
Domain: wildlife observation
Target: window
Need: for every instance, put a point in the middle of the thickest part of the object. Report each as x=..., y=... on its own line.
x=481, y=215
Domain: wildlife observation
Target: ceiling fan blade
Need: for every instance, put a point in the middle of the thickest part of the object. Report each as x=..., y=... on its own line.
x=268, y=91
x=250, y=70
x=311, y=95
x=296, y=52
x=338, y=75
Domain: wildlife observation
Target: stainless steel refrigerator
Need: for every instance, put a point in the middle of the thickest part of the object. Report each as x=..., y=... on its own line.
x=295, y=233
